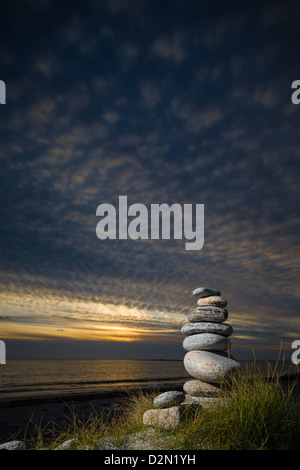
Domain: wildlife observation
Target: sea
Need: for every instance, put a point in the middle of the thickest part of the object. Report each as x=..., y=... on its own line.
x=38, y=378
x=20, y=379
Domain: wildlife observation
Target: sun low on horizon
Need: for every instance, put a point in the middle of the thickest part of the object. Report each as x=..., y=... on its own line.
x=54, y=318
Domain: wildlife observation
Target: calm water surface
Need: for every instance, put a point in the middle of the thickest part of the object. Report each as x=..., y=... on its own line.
x=31, y=378
x=38, y=377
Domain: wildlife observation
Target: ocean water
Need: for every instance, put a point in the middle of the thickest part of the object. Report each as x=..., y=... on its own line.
x=39, y=378
x=32, y=378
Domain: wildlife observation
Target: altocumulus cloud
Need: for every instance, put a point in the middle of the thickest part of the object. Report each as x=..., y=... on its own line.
x=162, y=103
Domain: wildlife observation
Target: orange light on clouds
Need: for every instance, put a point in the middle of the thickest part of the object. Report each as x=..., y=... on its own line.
x=46, y=317
x=44, y=314
x=25, y=331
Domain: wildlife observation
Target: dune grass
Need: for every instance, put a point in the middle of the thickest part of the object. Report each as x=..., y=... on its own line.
x=260, y=415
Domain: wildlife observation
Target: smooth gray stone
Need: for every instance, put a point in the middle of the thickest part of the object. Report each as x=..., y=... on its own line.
x=207, y=327
x=198, y=388
x=111, y=447
x=205, y=292
x=105, y=443
x=66, y=445
x=168, y=399
x=13, y=445
x=215, y=300
x=209, y=366
x=206, y=341
x=148, y=439
x=166, y=418
x=215, y=314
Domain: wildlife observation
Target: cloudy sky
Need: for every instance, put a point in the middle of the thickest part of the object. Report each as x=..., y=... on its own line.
x=184, y=102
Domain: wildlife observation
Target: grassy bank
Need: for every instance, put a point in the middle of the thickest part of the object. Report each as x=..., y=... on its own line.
x=260, y=415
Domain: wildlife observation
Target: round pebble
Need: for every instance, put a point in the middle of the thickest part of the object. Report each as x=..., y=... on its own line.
x=209, y=366
x=169, y=399
x=207, y=327
x=214, y=300
x=201, y=292
x=215, y=314
x=206, y=341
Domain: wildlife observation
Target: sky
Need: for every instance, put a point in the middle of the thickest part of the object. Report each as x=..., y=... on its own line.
x=185, y=102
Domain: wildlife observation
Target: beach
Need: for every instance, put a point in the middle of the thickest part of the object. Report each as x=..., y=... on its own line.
x=20, y=419
x=47, y=393
x=50, y=407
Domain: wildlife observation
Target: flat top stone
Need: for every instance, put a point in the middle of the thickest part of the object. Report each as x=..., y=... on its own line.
x=205, y=292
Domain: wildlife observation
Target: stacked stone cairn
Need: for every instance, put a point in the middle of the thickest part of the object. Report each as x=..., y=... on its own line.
x=208, y=361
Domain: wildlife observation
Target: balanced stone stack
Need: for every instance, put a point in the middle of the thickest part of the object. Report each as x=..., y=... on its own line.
x=207, y=361
x=207, y=341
